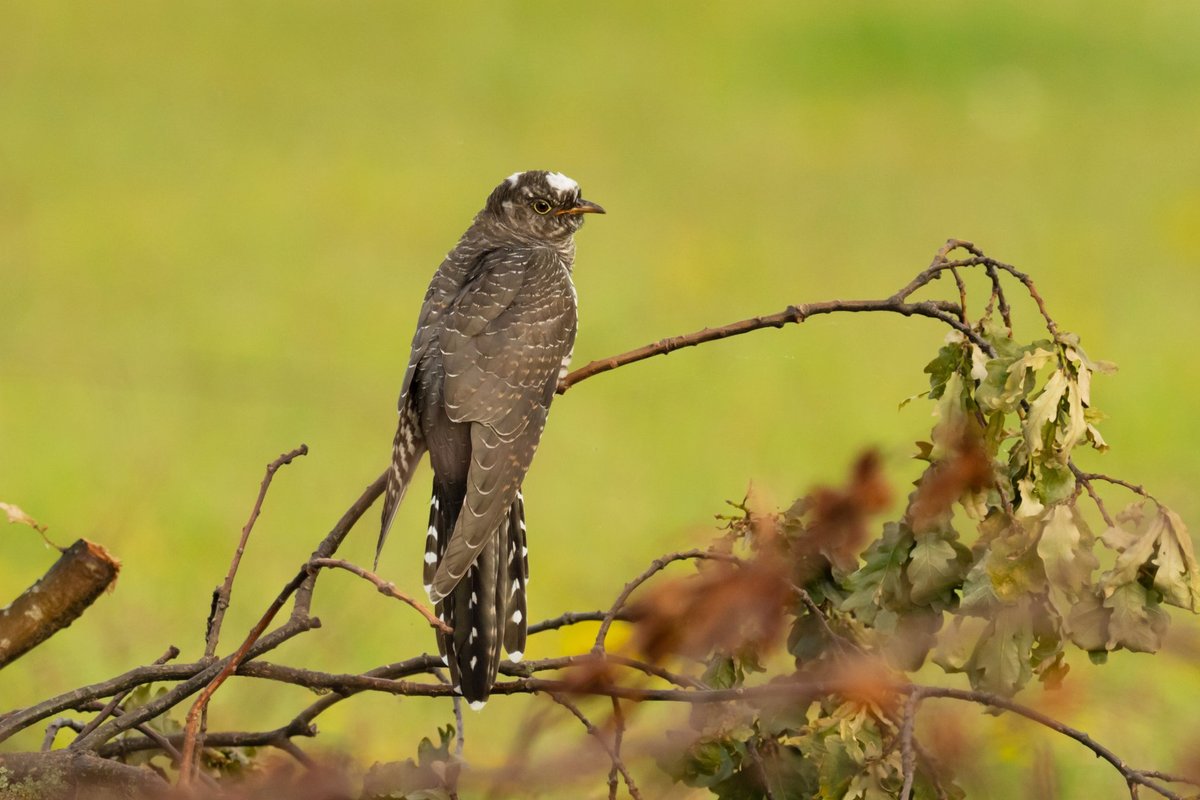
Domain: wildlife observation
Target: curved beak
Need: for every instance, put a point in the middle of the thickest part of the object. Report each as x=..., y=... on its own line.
x=582, y=207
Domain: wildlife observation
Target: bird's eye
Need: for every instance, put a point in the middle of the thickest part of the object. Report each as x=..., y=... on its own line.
x=541, y=206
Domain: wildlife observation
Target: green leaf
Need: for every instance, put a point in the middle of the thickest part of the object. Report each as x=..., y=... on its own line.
x=1160, y=543
x=1087, y=623
x=934, y=566
x=978, y=593
x=1076, y=425
x=1134, y=550
x=1136, y=623
x=1011, y=377
x=914, y=636
x=722, y=672
x=1000, y=662
x=878, y=583
x=1055, y=483
x=807, y=639
x=945, y=364
x=1177, y=576
x=1066, y=551
x=837, y=769
x=1043, y=412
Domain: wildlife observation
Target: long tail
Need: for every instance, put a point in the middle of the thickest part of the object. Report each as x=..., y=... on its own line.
x=407, y=449
x=487, y=607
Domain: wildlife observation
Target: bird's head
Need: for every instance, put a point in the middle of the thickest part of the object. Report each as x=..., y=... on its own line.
x=540, y=205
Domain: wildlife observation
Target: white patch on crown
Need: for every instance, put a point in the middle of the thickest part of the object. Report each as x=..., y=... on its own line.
x=561, y=183
x=511, y=180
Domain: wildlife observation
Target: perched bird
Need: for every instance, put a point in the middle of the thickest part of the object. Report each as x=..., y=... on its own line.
x=495, y=334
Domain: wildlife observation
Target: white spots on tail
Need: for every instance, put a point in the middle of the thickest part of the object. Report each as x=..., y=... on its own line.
x=433, y=534
x=474, y=661
x=561, y=183
x=516, y=656
x=433, y=501
x=446, y=660
x=516, y=585
x=477, y=705
x=428, y=590
x=431, y=557
x=516, y=616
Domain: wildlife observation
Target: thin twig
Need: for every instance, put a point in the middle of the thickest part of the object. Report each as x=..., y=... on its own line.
x=843, y=644
x=934, y=309
x=962, y=296
x=1132, y=776
x=171, y=654
x=657, y=565
x=907, y=753
x=1133, y=487
x=57, y=725
x=999, y=297
x=573, y=618
x=222, y=593
x=1086, y=483
x=595, y=733
x=333, y=540
x=618, y=736
x=191, y=726
x=384, y=587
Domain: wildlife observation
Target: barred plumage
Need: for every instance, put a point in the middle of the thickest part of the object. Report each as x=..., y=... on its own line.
x=495, y=333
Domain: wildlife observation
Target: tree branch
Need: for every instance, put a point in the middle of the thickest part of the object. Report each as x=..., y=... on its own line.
x=940, y=310
x=222, y=593
x=384, y=587
x=55, y=600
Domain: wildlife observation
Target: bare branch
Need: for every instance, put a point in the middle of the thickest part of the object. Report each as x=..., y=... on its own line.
x=907, y=755
x=170, y=655
x=227, y=668
x=384, y=587
x=573, y=618
x=618, y=736
x=78, y=774
x=222, y=593
x=942, y=311
x=594, y=732
x=57, y=725
x=333, y=540
x=1133, y=777
x=1086, y=482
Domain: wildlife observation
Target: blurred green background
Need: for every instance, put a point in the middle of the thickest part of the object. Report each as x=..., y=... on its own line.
x=217, y=221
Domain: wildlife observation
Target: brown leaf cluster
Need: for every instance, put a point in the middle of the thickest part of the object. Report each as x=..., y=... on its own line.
x=724, y=607
x=832, y=522
x=965, y=469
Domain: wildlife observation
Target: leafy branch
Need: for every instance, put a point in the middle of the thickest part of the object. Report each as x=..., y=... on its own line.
x=991, y=570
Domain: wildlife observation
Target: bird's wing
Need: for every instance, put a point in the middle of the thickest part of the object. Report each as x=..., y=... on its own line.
x=503, y=341
x=409, y=444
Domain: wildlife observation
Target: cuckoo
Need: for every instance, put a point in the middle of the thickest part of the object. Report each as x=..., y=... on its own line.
x=494, y=335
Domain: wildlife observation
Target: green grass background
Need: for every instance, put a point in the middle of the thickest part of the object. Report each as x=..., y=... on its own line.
x=217, y=221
